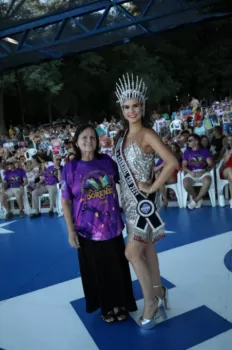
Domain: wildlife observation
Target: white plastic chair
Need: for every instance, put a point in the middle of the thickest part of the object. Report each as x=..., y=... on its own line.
x=58, y=207
x=30, y=153
x=58, y=201
x=211, y=191
x=216, y=122
x=221, y=184
x=112, y=134
x=175, y=125
x=177, y=188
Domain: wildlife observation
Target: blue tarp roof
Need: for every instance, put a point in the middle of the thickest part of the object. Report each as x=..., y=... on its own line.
x=34, y=31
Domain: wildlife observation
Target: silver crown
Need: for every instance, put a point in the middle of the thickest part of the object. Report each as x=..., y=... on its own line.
x=129, y=88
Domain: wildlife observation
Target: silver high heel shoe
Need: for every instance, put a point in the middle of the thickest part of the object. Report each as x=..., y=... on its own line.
x=146, y=323
x=165, y=298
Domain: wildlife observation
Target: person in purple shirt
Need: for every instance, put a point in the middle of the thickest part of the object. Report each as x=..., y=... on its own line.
x=93, y=218
x=197, y=163
x=12, y=186
x=47, y=184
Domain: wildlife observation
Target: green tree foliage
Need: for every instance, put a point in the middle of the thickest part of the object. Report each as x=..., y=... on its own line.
x=192, y=60
x=46, y=79
x=7, y=84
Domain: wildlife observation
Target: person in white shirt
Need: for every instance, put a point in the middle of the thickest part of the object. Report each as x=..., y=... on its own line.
x=200, y=129
x=194, y=103
x=159, y=124
x=8, y=144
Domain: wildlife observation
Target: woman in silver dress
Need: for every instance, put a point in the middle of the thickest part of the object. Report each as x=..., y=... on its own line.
x=135, y=151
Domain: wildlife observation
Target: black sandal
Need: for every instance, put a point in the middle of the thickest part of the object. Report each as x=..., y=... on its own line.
x=121, y=314
x=109, y=317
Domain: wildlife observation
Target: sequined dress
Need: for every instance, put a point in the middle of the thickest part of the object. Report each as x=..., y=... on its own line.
x=141, y=165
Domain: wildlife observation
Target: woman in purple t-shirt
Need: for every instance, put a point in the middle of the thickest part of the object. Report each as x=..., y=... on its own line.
x=93, y=218
x=197, y=163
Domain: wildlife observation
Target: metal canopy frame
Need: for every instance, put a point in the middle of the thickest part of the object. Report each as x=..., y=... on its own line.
x=96, y=24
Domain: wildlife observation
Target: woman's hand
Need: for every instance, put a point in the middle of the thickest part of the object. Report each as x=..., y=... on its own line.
x=73, y=239
x=144, y=187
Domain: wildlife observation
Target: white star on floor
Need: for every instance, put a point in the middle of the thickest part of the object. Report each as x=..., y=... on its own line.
x=168, y=232
x=3, y=230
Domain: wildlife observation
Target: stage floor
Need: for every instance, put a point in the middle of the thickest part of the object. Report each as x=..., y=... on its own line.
x=41, y=297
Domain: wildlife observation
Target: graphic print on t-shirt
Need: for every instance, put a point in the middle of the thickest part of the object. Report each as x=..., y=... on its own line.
x=197, y=162
x=15, y=180
x=52, y=172
x=97, y=203
x=99, y=187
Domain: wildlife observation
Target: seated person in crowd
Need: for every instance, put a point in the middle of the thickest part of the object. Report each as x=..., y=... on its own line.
x=181, y=139
x=228, y=127
x=47, y=184
x=194, y=104
x=212, y=115
x=197, y=164
x=187, y=127
x=205, y=143
x=199, y=129
x=33, y=170
x=56, y=143
x=159, y=123
x=13, y=186
x=67, y=150
x=217, y=142
x=197, y=116
x=226, y=171
x=106, y=146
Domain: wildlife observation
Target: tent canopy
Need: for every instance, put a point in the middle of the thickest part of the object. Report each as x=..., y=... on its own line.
x=33, y=31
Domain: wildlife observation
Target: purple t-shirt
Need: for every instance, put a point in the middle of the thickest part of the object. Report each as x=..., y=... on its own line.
x=14, y=178
x=159, y=162
x=51, y=175
x=91, y=185
x=197, y=159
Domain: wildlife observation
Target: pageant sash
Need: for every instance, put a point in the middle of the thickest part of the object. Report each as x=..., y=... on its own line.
x=146, y=207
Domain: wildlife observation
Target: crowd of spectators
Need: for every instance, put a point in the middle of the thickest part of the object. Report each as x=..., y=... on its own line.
x=31, y=159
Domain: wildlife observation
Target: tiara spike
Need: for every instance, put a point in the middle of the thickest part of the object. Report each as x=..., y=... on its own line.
x=137, y=86
x=128, y=85
x=118, y=88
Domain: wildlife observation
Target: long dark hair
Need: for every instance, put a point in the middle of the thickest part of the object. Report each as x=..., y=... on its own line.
x=77, y=150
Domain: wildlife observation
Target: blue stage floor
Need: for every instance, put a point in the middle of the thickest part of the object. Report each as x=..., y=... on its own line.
x=41, y=297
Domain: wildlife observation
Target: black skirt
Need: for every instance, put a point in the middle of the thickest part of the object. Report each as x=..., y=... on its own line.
x=105, y=275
